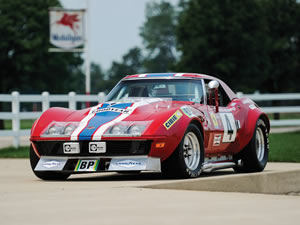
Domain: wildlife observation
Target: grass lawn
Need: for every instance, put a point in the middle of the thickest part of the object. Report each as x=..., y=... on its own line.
x=25, y=124
x=21, y=152
x=284, y=147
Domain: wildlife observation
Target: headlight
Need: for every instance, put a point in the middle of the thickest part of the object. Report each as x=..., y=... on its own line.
x=127, y=129
x=60, y=129
x=136, y=129
x=118, y=129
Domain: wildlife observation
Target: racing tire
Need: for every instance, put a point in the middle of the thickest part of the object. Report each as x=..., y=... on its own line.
x=254, y=156
x=47, y=175
x=186, y=161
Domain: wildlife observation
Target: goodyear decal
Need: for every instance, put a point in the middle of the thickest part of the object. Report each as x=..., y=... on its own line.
x=214, y=119
x=173, y=119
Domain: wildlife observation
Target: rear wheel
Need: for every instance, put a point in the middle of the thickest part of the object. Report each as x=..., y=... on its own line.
x=255, y=156
x=47, y=175
x=187, y=160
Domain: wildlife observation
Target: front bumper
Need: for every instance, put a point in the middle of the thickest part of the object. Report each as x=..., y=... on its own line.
x=89, y=164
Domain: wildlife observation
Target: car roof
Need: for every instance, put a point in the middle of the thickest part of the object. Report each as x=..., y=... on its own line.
x=168, y=76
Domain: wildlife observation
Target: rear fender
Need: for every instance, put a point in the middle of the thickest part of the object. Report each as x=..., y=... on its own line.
x=253, y=116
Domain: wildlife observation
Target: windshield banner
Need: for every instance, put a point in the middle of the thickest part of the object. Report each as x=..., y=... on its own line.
x=66, y=28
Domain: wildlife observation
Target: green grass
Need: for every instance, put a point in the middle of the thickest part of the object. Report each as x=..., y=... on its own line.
x=21, y=152
x=284, y=147
x=25, y=124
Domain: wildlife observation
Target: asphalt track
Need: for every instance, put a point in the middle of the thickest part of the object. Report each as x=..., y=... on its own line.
x=121, y=199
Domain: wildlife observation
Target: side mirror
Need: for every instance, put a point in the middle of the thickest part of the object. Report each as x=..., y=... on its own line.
x=213, y=87
x=213, y=84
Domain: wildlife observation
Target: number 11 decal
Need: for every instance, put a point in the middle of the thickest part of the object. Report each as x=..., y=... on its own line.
x=229, y=127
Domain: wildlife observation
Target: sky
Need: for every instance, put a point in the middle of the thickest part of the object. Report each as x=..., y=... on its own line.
x=114, y=26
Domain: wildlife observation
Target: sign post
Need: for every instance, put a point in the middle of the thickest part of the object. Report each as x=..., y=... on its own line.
x=69, y=33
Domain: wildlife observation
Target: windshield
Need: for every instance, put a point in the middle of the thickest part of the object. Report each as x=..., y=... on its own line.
x=177, y=90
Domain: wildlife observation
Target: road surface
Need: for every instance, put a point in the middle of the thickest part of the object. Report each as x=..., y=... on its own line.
x=120, y=199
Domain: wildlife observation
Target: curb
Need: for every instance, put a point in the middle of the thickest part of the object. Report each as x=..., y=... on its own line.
x=285, y=182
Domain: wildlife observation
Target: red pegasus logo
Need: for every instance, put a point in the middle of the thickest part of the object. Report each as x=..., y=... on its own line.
x=69, y=21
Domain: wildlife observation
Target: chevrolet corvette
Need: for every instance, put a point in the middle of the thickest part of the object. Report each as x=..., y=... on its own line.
x=179, y=124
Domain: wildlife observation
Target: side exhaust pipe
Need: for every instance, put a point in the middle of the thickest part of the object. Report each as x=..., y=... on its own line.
x=209, y=167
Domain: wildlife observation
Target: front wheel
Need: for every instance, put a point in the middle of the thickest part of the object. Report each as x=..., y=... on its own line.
x=187, y=159
x=44, y=175
x=255, y=155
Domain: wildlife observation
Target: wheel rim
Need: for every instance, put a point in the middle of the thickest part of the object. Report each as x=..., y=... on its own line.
x=260, y=144
x=191, y=151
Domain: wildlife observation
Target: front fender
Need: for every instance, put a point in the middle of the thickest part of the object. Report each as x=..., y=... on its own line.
x=173, y=132
x=52, y=114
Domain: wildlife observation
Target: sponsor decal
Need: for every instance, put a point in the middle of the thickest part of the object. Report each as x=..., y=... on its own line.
x=111, y=109
x=247, y=101
x=87, y=165
x=187, y=111
x=227, y=109
x=217, y=139
x=252, y=106
x=173, y=119
x=128, y=163
x=97, y=147
x=51, y=164
x=214, y=119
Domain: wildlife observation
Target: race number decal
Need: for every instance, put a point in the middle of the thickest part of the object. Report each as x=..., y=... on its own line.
x=229, y=127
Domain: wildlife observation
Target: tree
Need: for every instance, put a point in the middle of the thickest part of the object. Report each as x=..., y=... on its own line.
x=283, y=47
x=26, y=65
x=158, y=33
x=252, y=44
x=132, y=63
x=223, y=38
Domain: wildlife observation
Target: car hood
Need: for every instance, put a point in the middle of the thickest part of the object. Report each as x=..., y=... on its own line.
x=95, y=121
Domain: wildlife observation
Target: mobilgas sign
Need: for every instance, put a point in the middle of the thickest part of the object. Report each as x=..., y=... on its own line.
x=66, y=28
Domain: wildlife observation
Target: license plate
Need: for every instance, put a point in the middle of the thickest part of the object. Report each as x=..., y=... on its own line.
x=87, y=165
x=71, y=148
x=97, y=147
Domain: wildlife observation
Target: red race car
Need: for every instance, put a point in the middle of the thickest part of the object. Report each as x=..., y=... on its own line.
x=180, y=124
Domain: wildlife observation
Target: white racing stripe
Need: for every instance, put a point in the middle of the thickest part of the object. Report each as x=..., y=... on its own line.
x=179, y=74
x=100, y=131
x=83, y=123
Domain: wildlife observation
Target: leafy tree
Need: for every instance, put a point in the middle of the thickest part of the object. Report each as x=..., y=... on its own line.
x=158, y=33
x=223, y=38
x=26, y=65
x=252, y=44
x=132, y=63
x=282, y=17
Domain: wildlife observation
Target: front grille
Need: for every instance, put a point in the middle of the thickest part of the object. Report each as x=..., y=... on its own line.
x=113, y=148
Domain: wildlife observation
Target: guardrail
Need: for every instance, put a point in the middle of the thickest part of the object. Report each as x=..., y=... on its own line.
x=72, y=99
x=258, y=98
x=45, y=98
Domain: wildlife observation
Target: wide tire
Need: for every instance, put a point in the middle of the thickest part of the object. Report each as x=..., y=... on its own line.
x=186, y=161
x=47, y=175
x=254, y=157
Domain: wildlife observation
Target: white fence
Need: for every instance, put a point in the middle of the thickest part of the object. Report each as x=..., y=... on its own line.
x=72, y=99
x=258, y=98
x=45, y=98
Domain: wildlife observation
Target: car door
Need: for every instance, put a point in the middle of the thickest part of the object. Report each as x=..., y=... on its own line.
x=225, y=123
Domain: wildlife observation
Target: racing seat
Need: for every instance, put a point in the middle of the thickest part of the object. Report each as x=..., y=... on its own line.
x=139, y=91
